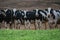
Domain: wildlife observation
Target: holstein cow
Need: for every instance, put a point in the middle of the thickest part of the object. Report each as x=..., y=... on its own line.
x=31, y=15
x=41, y=17
x=8, y=18
x=52, y=17
x=2, y=17
x=57, y=17
x=36, y=16
x=26, y=18
x=18, y=17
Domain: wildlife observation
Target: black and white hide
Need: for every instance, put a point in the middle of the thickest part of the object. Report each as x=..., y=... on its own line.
x=36, y=19
x=17, y=17
x=27, y=19
x=57, y=17
x=52, y=17
x=2, y=17
x=41, y=17
x=8, y=18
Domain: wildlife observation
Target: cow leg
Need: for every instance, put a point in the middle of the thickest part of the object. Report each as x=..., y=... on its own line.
x=19, y=22
x=2, y=25
x=46, y=25
x=6, y=25
x=28, y=24
x=18, y=26
x=55, y=23
x=15, y=24
x=36, y=23
x=49, y=25
x=25, y=24
x=10, y=24
x=39, y=24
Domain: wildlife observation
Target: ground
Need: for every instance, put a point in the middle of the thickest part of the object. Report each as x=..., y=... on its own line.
x=30, y=4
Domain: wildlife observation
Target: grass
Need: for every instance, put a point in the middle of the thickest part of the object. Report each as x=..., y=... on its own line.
x=30, y=34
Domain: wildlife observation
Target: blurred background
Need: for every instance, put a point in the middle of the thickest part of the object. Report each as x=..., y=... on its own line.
x=30, y=4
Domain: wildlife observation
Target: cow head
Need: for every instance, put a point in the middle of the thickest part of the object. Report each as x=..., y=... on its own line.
x=25, y=14
x=37, y=13
x=48, y=11
x=14, y=10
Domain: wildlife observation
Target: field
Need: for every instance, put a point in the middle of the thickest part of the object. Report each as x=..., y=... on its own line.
x=30, y=34
x=53, y=34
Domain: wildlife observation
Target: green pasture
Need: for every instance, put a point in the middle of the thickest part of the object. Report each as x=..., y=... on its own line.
x=30, y=34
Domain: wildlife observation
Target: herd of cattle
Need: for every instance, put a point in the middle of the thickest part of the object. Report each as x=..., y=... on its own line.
x=26, y=17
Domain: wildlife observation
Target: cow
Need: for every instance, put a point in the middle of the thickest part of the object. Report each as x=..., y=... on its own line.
x=41, y=17
x=57, y=17
x=26, y=19
x=53, y=16
x=8, y=18
x=2, y=16
x=18, y=16
x=36, y=18
x=36, y=15
x=29, y=15
x=9, y=14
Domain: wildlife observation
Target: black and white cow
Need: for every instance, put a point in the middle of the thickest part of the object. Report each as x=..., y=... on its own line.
x=26, y=19
x=36, y=18
x=28, y=16
x=9, y=14
x=2, y=17
x=36, y=15
x=57, y=17
x=53, y=16
x=18, y=16
x=41, y=17
x=8, y=18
